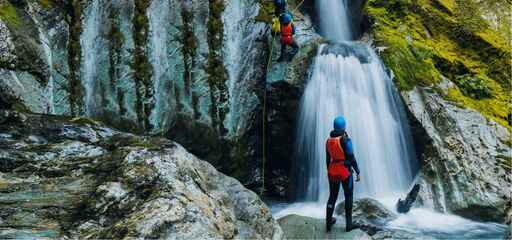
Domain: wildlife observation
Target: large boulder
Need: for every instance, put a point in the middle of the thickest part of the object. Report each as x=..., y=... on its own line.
x=368, y=210
x=76, y=178
x=466, y=157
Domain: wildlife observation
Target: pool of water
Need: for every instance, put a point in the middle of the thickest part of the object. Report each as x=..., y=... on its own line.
x=418, y=221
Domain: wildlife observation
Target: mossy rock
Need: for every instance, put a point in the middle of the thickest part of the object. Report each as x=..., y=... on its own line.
x=425, y=40
x=8, y=14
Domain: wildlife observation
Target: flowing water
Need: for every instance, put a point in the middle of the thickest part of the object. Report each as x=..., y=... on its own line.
x=92, y=53
x=50, y=87
x=159, y=22
x=348, y=79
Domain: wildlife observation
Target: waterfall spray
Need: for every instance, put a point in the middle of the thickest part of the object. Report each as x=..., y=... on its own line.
x=348, y=79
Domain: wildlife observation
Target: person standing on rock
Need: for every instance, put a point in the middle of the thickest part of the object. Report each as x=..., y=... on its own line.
x=287, y=32
x=341, y=163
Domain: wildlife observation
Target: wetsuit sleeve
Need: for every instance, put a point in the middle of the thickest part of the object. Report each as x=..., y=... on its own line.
x=293, y=29
x=350, y=154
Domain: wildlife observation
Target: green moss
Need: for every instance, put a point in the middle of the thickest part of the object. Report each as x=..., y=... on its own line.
x=189, y=48
x=48, y=4
x=141, y=66
x=505, y=162
x=116, y=41
x=427, y=39
x=495, y=108
x=75, y=89
x=9, y=15
x=473, y=86
x=217, y=74
x=266, y=11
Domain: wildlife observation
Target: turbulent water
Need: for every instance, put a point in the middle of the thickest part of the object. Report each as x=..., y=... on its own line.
x=349, y=80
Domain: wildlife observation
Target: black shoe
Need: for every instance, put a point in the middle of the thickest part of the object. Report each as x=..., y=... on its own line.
x=280, y=59
x=329, y=224
x=352, y=226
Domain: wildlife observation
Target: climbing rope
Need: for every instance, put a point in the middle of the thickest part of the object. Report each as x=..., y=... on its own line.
x=297, y=7
x=264, y=117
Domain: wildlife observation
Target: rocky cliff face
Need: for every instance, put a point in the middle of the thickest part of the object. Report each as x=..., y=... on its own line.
x=189, y=70
x=448, y=61
x=62, y=177
x=466, y=158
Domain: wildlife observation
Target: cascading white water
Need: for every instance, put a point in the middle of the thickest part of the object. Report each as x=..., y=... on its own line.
x=50, y=86
x=91, y=50
x=159, y=22
x=240, y=36
x=349, y=80
x=334, y=20
x=233, y=32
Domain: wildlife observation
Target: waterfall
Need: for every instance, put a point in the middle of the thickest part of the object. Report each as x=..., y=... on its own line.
x=334, y=20
x=49, y=91
x=233, y=32
x=159, y=23
x=348, y=79
x=89, y=43
x=241, y=33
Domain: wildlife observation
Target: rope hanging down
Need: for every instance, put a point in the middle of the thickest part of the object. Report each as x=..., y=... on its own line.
x=264, y=114
x=264, y=118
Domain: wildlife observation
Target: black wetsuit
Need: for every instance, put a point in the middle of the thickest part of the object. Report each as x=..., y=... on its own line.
x=348, y=184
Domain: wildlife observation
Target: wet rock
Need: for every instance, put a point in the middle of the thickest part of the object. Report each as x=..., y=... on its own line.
x=285, y=84
x=398, y=234
x=508, y=234
x=299, y=227
x=367, y=210
x=403, y=206
x=85, y=180
x=463, y=171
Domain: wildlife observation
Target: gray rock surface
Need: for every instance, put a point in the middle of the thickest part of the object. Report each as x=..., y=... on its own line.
x=299, y=227
x=368, y=210
x=75, y=178
x=464, y=160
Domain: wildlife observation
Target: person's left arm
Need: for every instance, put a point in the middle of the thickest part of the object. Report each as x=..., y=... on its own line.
x=349, y=148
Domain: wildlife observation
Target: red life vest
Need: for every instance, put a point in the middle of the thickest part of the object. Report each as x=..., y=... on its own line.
x=286, y=33
x=337, y=171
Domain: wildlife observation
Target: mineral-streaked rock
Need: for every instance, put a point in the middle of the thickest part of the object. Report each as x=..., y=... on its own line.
x=83, y=180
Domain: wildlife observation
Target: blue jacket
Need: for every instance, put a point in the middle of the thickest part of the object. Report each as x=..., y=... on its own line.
x=348, y=148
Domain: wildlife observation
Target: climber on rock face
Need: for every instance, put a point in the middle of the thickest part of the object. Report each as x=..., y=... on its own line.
x=287, y=32
x=340, y=162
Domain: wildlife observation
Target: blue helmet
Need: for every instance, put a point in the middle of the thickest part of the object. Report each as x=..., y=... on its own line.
x=339, y=123
x=286, y=18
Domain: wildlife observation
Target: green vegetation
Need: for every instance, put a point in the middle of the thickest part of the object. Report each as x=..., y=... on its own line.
x=215, y=69
x=116, y=41
x=141, y=65
x=46, y=3
x=428, y=39
x=8, y=14
x=266, y=11
x=189, y=51
x=75, y=89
